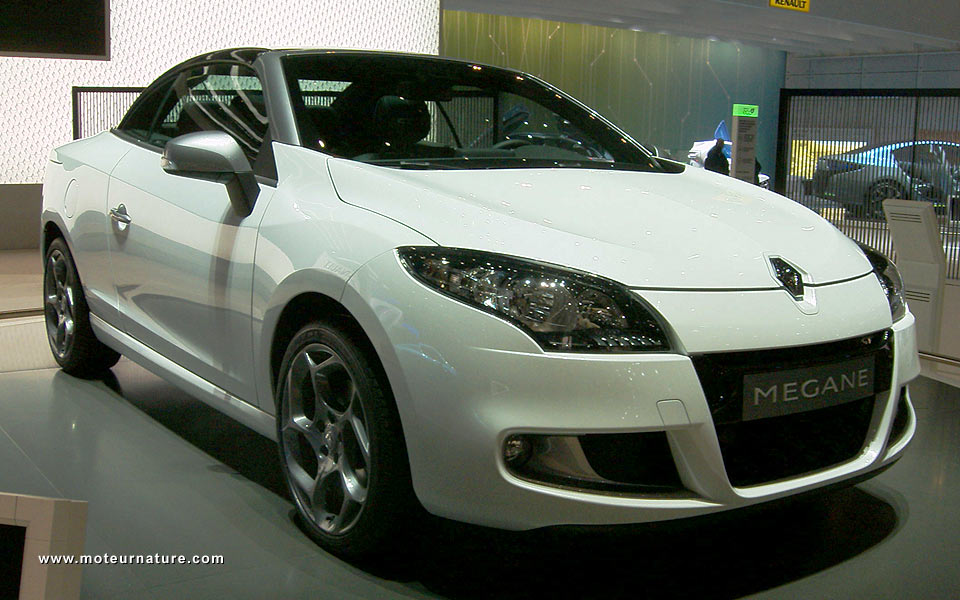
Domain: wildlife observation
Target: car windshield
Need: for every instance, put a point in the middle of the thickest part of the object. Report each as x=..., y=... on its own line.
x=424, y=113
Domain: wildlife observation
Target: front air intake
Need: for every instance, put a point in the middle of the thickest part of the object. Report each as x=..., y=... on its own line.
x=769, y=449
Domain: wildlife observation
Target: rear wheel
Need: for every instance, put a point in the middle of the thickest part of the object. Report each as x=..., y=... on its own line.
x=341, y=444
x=75, y=348
x=878, y=192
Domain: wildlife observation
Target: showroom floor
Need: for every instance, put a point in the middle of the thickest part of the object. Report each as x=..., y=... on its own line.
x=165, y=474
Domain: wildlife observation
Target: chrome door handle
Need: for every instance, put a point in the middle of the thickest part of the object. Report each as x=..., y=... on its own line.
x=120, y=216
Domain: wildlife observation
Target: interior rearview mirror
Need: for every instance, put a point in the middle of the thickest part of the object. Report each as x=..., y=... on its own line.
x=214, y=156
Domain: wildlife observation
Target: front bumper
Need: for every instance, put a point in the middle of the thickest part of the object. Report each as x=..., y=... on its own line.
x=465, y=380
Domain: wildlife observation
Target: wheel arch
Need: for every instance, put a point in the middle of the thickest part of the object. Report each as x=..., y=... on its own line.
x=297, y=312
x=305, y=308
x=50, y=231
x=886, y=180
x=53, y=228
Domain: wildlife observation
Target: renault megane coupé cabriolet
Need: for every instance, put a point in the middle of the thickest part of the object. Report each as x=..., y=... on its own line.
x=358, y=255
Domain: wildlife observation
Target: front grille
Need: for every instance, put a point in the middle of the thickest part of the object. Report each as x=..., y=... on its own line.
x=765, y=450
x=756, y=452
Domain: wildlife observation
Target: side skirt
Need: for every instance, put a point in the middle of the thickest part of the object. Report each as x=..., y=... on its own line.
x=235, y=408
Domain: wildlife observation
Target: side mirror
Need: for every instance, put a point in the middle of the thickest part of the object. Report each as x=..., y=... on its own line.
x=214, y=156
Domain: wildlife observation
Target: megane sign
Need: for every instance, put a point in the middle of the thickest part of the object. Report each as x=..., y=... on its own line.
x=785, y=392
x=801, y=5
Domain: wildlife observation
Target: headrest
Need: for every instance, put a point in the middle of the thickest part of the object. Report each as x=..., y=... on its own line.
x=320, y=115
x=321, y=125
x=197, y=115
x=250, y=100
x=400, y=121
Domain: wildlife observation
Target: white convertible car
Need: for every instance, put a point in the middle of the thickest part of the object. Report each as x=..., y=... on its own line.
x=431, y=302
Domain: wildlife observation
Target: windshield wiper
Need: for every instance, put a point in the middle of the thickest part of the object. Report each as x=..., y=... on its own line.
x=424, y=164
x=408, y=163
x=508, y=162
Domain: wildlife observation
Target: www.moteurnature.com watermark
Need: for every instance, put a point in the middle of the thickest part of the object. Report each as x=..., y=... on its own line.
x=131, y=559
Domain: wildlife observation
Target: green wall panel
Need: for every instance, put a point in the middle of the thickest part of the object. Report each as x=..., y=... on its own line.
x=664, y=90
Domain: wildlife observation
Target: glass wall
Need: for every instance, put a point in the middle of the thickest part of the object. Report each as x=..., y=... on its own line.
x=845, y=151
x=664, y=90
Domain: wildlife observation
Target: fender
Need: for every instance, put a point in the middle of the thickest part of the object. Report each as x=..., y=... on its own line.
x=315, y=281
x=310, y=245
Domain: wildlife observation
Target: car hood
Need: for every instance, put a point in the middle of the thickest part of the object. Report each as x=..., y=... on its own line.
x=690, y=230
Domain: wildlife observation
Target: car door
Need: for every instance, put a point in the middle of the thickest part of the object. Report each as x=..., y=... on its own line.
x=182, y=257
x=943, y=169
x=929, y=169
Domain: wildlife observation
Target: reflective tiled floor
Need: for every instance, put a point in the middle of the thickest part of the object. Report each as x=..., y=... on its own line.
x=165, y=474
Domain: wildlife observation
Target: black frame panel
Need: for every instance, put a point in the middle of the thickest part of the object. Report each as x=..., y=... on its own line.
x=42, y=53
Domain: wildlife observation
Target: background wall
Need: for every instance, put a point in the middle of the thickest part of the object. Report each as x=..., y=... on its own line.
x=664, y=90
x=149, y=37
x=831, y=27
x=913, y=70
x=917, y=70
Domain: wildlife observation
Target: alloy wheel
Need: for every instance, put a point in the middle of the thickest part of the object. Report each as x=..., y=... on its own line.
x=324, y=439
x=59, y=301
x=878, y=193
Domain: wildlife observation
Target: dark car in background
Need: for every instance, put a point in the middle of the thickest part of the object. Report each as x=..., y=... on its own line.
x=861, y=179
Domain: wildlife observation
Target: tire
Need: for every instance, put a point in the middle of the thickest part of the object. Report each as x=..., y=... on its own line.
x=354, y=498
x=72, y=341
x=878, y=192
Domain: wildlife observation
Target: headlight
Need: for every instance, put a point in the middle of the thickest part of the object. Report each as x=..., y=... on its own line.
x=890, y=280
x=563, y=310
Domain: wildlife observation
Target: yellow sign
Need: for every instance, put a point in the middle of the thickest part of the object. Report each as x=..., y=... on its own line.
x=801, y=5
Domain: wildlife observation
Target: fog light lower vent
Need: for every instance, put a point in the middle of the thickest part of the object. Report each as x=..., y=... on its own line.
x=635, y=463
x=632, y=458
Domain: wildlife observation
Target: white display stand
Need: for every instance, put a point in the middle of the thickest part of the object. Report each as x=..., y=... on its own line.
x=744, y=152
x=923, y=266
x=54, y=526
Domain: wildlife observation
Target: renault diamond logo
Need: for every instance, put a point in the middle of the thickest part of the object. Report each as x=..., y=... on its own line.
x=789, y=277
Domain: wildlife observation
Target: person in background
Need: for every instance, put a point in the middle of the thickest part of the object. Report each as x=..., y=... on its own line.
x=716, y=161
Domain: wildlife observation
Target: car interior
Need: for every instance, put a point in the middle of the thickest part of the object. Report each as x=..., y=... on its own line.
x=370, y=122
